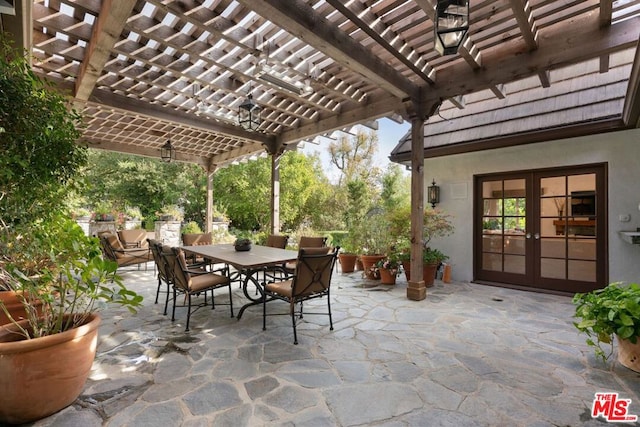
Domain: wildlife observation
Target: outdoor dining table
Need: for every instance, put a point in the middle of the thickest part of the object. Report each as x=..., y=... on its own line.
x=247, y=263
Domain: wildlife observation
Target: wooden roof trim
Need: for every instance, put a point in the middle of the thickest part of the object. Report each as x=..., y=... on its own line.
x=631, y=110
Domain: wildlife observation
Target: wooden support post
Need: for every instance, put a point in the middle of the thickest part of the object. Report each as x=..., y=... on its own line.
x=275, y=193
x=209, y=219
x=416, y=289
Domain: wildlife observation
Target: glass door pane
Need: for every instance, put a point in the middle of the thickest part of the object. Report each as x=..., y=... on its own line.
x=567, y=227
x=503, y=226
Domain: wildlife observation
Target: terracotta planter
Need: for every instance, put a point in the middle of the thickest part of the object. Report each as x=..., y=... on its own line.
x=347, y=262
x=428, y=272
x=629, y=354
x=44, y=375
x=369, y=261
x=14, y=305
x=387, y=277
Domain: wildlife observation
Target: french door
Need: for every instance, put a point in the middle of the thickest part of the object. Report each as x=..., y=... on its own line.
x=543, y=229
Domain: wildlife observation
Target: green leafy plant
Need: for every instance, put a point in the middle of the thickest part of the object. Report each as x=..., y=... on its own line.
x=603, y=313
x=433, y=256
x=191, y=227
x=39, y=153
x=390, y=263
x=133, y=212
x=172, y=211
x=70, y=281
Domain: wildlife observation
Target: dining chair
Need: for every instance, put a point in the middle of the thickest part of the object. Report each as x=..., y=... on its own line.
x=305, y=242
x=193, y=282
x=277, y=241
x=165, y=275
x=312, y=280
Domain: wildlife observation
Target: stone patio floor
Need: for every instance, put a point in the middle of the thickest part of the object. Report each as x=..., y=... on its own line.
x=467, y=355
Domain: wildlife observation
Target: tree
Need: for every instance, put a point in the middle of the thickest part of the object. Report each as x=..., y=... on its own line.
x=354, y=157
x=38, y=133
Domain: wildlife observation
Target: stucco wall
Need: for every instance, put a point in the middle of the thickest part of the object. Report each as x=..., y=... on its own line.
x=620, y=150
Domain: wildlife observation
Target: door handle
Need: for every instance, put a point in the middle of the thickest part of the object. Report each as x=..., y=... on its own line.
x=528, y=235
x=536, y=236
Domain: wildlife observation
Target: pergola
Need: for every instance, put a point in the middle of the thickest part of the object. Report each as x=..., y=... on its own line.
x=148, y=71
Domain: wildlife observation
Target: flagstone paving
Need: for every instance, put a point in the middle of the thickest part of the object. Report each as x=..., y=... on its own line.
x=467, y=355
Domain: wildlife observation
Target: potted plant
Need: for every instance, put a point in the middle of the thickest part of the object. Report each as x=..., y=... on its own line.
x=608, y=312
x=388, y=268
x=242, y=242
x=436, y=224
x=103, y=211
x=170, y=213
x=376, y=241
x=59, y=339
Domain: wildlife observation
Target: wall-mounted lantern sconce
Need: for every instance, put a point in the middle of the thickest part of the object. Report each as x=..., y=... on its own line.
x=451, y=26
x=249, y=114
x=167, y=152
x=433, y=193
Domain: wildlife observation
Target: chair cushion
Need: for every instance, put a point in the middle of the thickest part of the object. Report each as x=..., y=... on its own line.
x=201, y=282
x=280, y=288
x=133, y=238
x=312, y=242
x=194, y=239
x=114, y=242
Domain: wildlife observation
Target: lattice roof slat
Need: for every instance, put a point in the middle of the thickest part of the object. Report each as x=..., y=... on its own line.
x=186, y=65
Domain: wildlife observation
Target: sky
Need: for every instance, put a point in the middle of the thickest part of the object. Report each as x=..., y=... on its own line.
x=389, y=133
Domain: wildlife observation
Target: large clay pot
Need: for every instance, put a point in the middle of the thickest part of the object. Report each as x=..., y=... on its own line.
x=428, y=272
x=41, y=376
x=369, y=261
x=629, y=354
x=14, y=305
x=347, y=262
x=387, y=277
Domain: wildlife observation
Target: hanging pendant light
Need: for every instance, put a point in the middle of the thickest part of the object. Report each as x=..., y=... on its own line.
x=167, y=152
x=249, y=114
x=451, y=25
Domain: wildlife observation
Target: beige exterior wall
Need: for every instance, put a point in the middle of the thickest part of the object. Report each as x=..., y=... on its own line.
x=620, y=150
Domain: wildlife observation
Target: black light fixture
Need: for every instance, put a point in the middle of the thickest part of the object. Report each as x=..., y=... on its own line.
x=167, y=152
x=249, y=114
x=451, y=25
x=433, y=194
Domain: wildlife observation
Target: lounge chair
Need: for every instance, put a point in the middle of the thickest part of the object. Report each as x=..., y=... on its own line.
x=114, y=250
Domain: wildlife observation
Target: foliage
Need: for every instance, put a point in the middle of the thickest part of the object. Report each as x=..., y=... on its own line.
x=603, y=313
x=64, y=270
x=38, y=133
x=354, y=158
x=304, y=192
x=126, y=180
x=191, y=227
x=391, y=262
x=172, y=211
x=133, y=212
x=433, y=256
x=80, y=212
x=436, y=224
